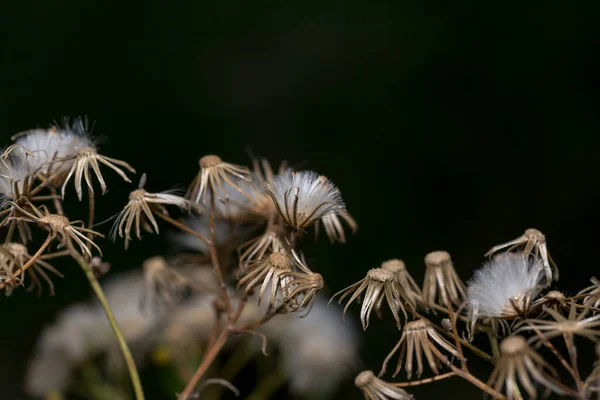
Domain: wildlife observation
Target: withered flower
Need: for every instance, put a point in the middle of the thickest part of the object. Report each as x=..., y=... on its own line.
x=378, y=283
x=270, y=270
x=520, y=364
x=333, y=225
x=441, y=281
x=215, y=175
x=138, y=212
x=405, y=280
x=374, y=388
x=302, y=289
x=418, y=338
x=163, y=286
x=532, y=242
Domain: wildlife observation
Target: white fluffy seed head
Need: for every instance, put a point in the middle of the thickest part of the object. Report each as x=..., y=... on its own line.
x=301, y=197
x=13, y=169
x=504, y=284
x=44, y=145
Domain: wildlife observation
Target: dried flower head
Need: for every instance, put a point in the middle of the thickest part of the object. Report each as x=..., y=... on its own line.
x=303, y=197
x=418, y=338
x=61, y=228
x=520, y=365
x=573, y=324
x=164, y=287
x=378, y=283
x=272, y=241
x=214, y=176
x=553, y=300
x=532, y=242
x=301, y=289
x=88, y=157
x=13, y=256
x=374, y=388
x=269, y=271
x=333, y=225
x=441, y=281
x=52, y=152
x=405, y=280
x=138, y=212
x=504, y=288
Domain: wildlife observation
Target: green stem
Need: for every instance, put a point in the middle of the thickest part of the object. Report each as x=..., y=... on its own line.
x=494, y=344
x=133, y=373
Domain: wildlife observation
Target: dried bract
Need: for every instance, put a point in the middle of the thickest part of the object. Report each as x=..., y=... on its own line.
x=214, y=176
x=374, y=388
x=271, y=270
x=61, y=228
x=302, y=288
x=520, y=364
x=13, y=256
x=333, y=225
x=533, y=242
x=441, y=281
x=418, y=338
x=406, y=281
x=378, y=283
x=272, y=241
x=138, y=212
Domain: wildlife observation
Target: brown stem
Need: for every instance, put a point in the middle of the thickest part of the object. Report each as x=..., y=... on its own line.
x=183, y=227
x=28, y=263
x=469, y=377
x=214, y=258
x=54, y=255
x=213, y=352
x=463, y=361
x=425, y=381
x=92, y=209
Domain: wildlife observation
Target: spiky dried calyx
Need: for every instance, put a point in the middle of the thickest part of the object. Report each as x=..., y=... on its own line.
x=364, y=378
x=55, y=221
x=137, y=194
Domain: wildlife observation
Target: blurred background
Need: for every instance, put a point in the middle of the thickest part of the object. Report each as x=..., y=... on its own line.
x=452, y=127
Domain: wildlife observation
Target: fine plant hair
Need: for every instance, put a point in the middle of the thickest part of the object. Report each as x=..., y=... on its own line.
x=245, y=226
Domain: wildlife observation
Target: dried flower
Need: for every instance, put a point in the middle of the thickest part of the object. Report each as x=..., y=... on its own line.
x=13, y=256
x=60, y=227
x=272, y=241
x=88, y=157
x=573, y=324
x=553, y=300
x=139, y=211
x=374, y=388
x=442, y=281
x=377, y=284
x=215, y=175
x=519, y=363
x=270, y=270
x=302, y=288
x=52, y=152
x=504, y=287
x=533, y=242
x=303, y=197
x=405, y=280
x=418, y=338
x=333, y=225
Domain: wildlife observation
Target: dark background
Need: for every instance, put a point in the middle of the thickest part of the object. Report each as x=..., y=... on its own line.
x=450, y=127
